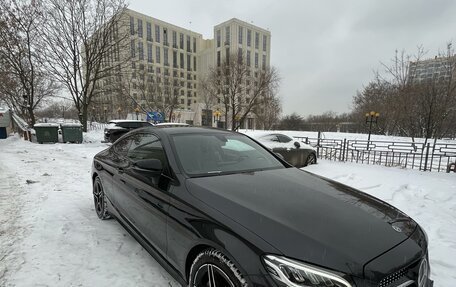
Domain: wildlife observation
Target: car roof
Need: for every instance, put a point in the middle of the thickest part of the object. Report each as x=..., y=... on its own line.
x=127, y=121
x=184, y=130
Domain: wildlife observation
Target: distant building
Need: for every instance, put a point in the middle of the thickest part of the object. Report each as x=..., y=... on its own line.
x=165, y=58
x=440, y=69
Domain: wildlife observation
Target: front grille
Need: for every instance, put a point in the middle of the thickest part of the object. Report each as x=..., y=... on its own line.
x=389, y=280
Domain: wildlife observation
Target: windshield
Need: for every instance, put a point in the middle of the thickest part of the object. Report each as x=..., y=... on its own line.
x=212, y=154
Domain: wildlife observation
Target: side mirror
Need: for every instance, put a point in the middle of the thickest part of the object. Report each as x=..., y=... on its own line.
x=150, y=165
x=297, y=144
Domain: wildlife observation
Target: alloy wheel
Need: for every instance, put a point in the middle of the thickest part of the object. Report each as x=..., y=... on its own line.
x=211, y=276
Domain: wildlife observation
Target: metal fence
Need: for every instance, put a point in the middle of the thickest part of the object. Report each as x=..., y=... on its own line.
x=431, y=156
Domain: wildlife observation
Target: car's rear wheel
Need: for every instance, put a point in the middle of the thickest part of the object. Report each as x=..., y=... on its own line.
x=311, y=159
x=212, y=268
x=99, y=199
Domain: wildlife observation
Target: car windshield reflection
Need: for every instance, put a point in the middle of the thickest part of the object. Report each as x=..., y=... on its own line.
x=209, y=154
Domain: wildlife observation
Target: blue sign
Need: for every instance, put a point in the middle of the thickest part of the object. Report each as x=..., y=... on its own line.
x=156, y=117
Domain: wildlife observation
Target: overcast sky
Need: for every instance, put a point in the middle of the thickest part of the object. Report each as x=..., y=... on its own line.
x=324, y=50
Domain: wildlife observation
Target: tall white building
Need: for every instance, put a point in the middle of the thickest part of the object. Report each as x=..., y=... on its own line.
x=175, y=59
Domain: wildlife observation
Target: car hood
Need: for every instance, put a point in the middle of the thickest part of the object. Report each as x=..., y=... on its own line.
x=307, y=217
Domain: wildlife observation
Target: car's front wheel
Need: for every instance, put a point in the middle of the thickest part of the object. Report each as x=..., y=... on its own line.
x=311, y=159
x=212, y=268
x=99, y=199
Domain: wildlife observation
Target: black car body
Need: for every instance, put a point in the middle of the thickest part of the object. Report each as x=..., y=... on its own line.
x=117, y=128
x=268, y=224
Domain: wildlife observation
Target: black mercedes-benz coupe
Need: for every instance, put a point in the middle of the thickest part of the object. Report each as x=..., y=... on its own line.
x=216, y=208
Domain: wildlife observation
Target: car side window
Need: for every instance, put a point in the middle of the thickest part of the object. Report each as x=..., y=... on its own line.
x=272, y=138
x=284, y=139
x=122, y=146
x=146, y=146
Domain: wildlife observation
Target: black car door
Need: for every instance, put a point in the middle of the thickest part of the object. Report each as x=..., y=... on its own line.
x=116, y=164
x=145, y=193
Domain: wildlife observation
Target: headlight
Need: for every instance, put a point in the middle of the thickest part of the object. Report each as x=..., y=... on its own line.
x=297, y=274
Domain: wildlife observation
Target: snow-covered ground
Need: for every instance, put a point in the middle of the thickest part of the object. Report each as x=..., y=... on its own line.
x=51, y=236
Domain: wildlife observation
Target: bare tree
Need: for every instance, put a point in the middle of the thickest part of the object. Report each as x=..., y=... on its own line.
x=82, y=38
x=25, y=83
x=415, y=97
x=242, y=88
x=268, y=111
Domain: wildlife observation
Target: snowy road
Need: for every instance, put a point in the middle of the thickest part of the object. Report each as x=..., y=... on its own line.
x=51, y=236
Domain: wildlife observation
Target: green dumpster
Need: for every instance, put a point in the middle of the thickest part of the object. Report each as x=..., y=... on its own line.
x=71, y=133
x=47, y=132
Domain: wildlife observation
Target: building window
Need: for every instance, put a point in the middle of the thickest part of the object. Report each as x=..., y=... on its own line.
x=174, y=59
x=263, y=63
x=265, y=41
x=194, y=64
x=227, y=55
x=241, y=36
x=174, y=39
x=249, y=38
x=140, y=30
x=149, y=52
x=132, y=48
x=157, y=33
x=181, y=41
x=218, y=38
x=149, y=31
x=157, y=54
x=189, y=67
x=140, y=50
x=132, y=25
x=248, y=58
x=256, y=60
x=165, y=56
x=188, y=44
x=165, y=37
x=257, y=40
x=240, y=55
x=182, y=60
x=194, y=45
x=218, y=59
x=227, y=35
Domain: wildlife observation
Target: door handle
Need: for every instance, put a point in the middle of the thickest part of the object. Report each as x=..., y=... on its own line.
x=120, y=170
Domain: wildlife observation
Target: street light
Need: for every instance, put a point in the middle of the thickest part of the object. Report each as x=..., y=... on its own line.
x=137, y=112
x=217, y=115
x=371, y=117
x=119, y=110
x=105, y=109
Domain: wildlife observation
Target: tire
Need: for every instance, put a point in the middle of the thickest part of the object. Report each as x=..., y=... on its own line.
x=311, y=159
x=212, y=265
x=99, y=200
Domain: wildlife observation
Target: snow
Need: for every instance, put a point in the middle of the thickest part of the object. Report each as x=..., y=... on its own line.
x=50, y=234
x=54, y=125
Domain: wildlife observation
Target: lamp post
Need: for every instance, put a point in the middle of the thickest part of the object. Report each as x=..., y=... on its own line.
x=137, y=112
x=217, y=115
x=371, y=118
x=105, y=109
x=119, y=110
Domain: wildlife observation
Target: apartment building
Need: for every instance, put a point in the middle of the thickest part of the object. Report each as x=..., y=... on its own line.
x=166, y=61
x=439, y=69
